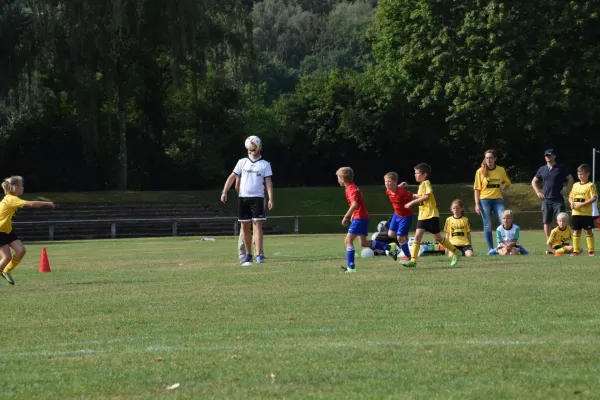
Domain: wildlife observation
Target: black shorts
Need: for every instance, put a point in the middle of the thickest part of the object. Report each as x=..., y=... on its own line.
x=7, y=238
x=463, y=249
x=560, y=246
x=251, y=209
x=550, y=209
x=579, y=222
x=431, y=225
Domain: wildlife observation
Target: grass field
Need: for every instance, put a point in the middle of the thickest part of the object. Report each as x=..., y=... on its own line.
x=129, y=318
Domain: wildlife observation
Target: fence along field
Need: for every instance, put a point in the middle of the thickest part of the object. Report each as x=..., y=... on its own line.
x=131, y=317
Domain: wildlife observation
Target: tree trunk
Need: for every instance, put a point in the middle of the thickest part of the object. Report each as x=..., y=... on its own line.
x=122, y=136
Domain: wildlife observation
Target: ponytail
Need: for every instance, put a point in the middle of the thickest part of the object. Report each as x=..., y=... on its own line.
x=10, y=184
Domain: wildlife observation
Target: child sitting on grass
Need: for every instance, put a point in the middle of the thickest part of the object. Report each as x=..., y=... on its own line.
x=507, y=236
x=458, y=229
x=559, y=241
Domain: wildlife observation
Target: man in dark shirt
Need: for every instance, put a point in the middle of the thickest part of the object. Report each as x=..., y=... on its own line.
x=553, y=176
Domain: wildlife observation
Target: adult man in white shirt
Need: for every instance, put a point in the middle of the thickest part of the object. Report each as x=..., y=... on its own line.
x=254, y=174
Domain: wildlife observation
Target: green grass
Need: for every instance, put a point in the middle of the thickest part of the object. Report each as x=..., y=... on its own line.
x=127, y=318
x=299, y=201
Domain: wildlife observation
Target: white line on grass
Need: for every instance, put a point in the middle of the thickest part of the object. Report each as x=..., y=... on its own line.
x=307, y=345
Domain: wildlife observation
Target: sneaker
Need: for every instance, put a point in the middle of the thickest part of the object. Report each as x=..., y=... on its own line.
x=523, y=251
x=393, y=251
x=591, y=253
x=493, y=252
x=8, y=277
x=246, y=261
x=455, y=257
x=260, y=259
x=409, y=264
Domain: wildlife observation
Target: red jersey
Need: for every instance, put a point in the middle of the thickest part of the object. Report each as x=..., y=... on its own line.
x=399, y=198
x=353, y=194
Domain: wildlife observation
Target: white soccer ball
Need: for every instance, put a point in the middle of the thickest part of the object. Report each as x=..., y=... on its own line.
x=253, y=143
x=367, y=253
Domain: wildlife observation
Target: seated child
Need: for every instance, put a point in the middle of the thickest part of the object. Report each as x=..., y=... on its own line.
x=559, y=242
x=507, y=236
x=458, y=229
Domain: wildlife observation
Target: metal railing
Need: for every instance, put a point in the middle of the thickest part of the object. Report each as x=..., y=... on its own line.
x=191, y=226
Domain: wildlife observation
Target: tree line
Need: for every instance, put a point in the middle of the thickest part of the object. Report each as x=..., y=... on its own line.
x=149, y=95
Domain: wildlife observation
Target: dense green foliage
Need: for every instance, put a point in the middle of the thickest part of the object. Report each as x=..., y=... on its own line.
x=142, y=94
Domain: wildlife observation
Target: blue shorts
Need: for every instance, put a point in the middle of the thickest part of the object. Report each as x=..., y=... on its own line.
x=359, y=226
x=401, y=225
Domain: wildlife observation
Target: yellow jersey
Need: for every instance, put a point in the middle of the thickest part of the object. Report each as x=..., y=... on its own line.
x=560, y=237
x=490, y=185
x=580, y=193
x=8, y=208
x=458, y=229
x=427, y=209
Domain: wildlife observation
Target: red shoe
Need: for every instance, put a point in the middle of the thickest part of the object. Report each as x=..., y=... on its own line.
x=405, y=258
x=558, y=254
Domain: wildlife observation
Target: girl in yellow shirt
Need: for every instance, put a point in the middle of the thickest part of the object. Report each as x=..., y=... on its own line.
x=490, y=182
x=13, y=188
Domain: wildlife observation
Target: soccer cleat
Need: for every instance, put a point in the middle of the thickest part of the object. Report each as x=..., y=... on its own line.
x=523, y=251
x=591, y=253
x=550, y=252
x=405, y=258
x=246, y=261
x=8, y=277
x=260, y=259
x=493, y=252
x=347, y=270
x=455, y=257
x=393, y=251
x=575, y=253
x=558, y=254
x=409, y=264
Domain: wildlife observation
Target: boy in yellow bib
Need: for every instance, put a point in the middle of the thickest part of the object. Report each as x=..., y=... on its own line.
x=429, y=217
x=582, y=197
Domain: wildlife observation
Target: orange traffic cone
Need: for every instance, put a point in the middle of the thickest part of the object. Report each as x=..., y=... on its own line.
x=44, y=264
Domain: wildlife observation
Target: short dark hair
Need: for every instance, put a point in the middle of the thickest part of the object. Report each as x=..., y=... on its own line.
x=423, y=168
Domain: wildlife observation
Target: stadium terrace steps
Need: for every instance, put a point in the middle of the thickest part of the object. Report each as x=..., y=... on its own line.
x=123, y=221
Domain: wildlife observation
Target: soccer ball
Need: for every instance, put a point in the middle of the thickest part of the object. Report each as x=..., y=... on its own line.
x=367, y=253
x=253, y=143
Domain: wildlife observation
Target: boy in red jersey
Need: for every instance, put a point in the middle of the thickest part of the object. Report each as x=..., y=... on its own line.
x=357, y=217
x=402, y=217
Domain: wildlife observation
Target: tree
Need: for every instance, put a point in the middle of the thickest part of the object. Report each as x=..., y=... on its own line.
x=496, y=74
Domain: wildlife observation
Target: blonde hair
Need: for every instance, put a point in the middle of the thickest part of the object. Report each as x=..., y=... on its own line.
x=392, y=175
x=562, y=215
x=459, y=203
x=484, y=167
x=508, y=213
x=346, y=173
x=11, y=184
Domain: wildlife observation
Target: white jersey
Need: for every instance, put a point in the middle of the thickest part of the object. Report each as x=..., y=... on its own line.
x=507, y=235
x=252, y=176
